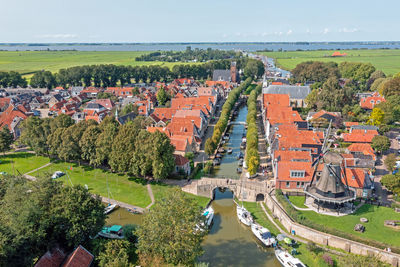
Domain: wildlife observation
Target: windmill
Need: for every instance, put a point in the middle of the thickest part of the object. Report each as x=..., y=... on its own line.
x=329, y=190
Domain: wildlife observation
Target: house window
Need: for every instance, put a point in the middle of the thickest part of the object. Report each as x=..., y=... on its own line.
x=298, y=184
x=297, y=174
x=287, y=184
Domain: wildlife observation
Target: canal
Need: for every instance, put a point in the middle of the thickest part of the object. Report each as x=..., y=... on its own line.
x=229, y=162
x=229, y=243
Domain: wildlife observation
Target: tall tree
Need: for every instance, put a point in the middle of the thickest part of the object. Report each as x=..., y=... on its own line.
x=380, y=143
x=6, y=139
x=163, y=160
x=167, y=231
x=35, y=133
x=104, y=142
x=390, y=162
x=88, y=144
x=162, y=96
x=377, y=116
x=123, y=148
x=116, y=254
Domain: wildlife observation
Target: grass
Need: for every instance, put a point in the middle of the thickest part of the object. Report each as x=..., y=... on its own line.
x=123, y=188
x=260, y=217
x=298, y=201
x=383, y=59
x=375, y=229
x=28, y=62
x=161, y=190
x=21, y=162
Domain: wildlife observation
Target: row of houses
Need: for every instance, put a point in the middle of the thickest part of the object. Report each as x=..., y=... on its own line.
x=294, y=145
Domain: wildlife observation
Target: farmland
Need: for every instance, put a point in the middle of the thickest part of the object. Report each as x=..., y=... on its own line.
x=386, y=60
x=28, y=62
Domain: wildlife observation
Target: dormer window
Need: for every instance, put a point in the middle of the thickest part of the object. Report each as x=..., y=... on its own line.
x=297, y=174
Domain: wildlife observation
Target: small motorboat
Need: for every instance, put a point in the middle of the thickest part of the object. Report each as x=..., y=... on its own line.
x=239, y=170
x=216, y=162
x=286, y=259
x=110, y=208
x=221, y=150
x=244, y=216
x=263, y=234
x=229, y=150
x=218, y=155
x=113, y=232
x=242, y=145
x=240, y=163
x=209, y=215
x=239, y=155
x=244, y=140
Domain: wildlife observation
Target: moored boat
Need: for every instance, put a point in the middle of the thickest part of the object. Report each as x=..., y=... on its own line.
x=287, y=260
x=244, y=216
x=110, y=208
x=229, y=151
x=113, y=232
x=263, y=234
x=209, y=215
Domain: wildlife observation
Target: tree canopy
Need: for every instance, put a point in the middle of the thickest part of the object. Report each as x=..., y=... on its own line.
x=168, y=234
x=380, y=143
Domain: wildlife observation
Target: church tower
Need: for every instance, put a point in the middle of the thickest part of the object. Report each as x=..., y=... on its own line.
x=233, y=72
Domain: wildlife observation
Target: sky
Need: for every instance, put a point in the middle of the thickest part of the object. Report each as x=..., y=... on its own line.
x=68, y=21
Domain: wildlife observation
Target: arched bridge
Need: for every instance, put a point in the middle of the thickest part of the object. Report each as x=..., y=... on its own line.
x=244, y=190
x=237, y=123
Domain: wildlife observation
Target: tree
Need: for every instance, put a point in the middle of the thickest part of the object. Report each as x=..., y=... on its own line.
x=35, y=133
x=162, y=158
x=116, y=254
x=109, y=129
x=88, y=144
x=254, y=163
x=43, y=79
x=209, y=146
x=380, y=143
x=392, y=182
x=390, y=162
x=315, y=71
x=42, y=214
x=162, y=96
x=140, y=163
x=254, y=68
x=168, y=231
x=6, y=139
x=123, y=148
x=391, y=87
x=376, y=117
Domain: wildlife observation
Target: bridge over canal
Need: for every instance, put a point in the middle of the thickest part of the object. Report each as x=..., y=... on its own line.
x=251, y=191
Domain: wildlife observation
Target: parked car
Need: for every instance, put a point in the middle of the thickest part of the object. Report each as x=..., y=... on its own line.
x=57, y=174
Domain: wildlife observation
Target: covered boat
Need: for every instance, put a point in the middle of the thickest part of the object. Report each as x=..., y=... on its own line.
x=286, y=259
x=114, y=232
x=263, y=234
x=244, y=216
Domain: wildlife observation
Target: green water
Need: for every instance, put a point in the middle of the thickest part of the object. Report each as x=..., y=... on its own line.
x=229, y=162
x=229, y=242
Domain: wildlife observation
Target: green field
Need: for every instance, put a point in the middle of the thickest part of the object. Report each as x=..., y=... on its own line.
x=386, y=60
x=298, y=201
x=121, y=187
x=374, y=228
x=162, y=190
x=21, y=162
x=27, y=62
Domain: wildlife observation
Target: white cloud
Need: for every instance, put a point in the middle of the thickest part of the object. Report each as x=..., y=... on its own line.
x=59, y=36
x=325, y=31
x=308, y=31
x=346, y=30
x=289, y=32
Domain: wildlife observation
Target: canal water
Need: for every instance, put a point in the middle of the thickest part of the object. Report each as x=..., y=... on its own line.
x=229, y=162
x=230, y=243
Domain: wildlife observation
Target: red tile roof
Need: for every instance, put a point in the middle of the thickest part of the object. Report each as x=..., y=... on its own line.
x=371, y=101
x=51, y=259
x=355, y=177
x=285, y=167
x=107, y=103
x=365, y=149
x=79, y=258
x=292, y=155
x=276, y=99
x=7, y=117
x=358, y=138
x=180, y=160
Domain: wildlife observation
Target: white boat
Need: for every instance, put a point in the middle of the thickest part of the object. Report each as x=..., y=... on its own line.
x=287, y=260
x=263, y=234
x=244, y=216
x=229, y=150
x=110, y=208
x=209, y=214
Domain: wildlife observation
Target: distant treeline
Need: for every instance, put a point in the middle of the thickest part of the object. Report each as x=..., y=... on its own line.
x=113, y=75
x=199, y=55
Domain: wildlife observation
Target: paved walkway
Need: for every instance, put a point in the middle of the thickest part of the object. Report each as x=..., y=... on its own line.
x=33, y=178
x=150, y=191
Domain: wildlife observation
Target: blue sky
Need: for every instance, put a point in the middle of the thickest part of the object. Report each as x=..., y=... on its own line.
x=198, y=21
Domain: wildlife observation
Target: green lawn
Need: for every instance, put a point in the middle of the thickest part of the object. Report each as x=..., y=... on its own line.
x=162, y=190
x=375, y=229
x=21, y=162
x=27, y=62
x=122, y=187
x=298, y=201
x=260, y=217
x=386, y=60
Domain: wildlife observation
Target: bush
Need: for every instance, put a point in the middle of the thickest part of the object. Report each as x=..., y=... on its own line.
x=328, y=259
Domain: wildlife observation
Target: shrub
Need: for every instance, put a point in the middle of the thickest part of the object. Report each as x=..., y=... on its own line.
x=328, y=259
